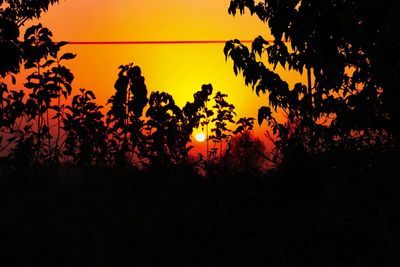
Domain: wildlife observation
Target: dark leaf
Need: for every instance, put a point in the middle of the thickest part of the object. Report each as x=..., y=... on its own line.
x=263, y=113
x=67, y=56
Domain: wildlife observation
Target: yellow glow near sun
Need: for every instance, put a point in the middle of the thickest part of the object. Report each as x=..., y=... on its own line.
x=200, y=137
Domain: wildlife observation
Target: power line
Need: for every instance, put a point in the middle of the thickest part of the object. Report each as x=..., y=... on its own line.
x=151, y=42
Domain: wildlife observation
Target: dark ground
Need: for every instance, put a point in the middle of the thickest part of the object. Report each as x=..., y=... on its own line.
x=114, y=218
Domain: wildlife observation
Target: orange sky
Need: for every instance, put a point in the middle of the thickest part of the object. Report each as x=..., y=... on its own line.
x=177, y=69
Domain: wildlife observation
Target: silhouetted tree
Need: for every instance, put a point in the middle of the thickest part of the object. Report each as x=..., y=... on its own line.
x=13, y=15
x=201, y=110
x=159, y=139
x=12, y=109
x=339, y=45
x=165, y=137
x=127, y=106
x=169, y=128
x=224, y=115
x=196, y=113
x=86, y=140
x=37, y=114
x=50, y=81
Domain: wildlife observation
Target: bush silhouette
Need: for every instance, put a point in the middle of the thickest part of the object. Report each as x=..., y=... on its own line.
x=246, y=153
x=86, y=140
x=37, y=111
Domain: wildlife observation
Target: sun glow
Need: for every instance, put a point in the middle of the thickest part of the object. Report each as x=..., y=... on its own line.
x=200, y=137
x=178, y=69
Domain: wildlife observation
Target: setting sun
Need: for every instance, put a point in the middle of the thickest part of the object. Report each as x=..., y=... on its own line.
x=200, y=137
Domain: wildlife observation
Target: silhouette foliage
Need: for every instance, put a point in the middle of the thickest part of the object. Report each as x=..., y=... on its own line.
x=13, y=15
x=127, y=106
x=166, y=215
x=224, y=114
x=35, y=114
x=86, y=131
x=344, y=51
x=246, y=153
x=154, y=132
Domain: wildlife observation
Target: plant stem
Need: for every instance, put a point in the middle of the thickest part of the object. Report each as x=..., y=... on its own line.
x=57, y=150
x=207, y=148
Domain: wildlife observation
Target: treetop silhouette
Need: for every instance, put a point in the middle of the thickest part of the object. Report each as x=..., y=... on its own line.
x=150, y=129
x=346, y=53
x=13, y=15
x=33, y=116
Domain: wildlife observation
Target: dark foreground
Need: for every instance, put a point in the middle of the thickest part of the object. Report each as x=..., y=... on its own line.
x=122, y=218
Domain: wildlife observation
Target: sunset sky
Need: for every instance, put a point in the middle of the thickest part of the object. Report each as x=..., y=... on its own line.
x=179, y=69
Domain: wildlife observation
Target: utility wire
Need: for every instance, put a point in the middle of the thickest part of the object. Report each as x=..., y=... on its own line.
x=151, y=42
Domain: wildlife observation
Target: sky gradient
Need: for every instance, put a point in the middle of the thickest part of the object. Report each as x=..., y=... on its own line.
x=179, y=69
